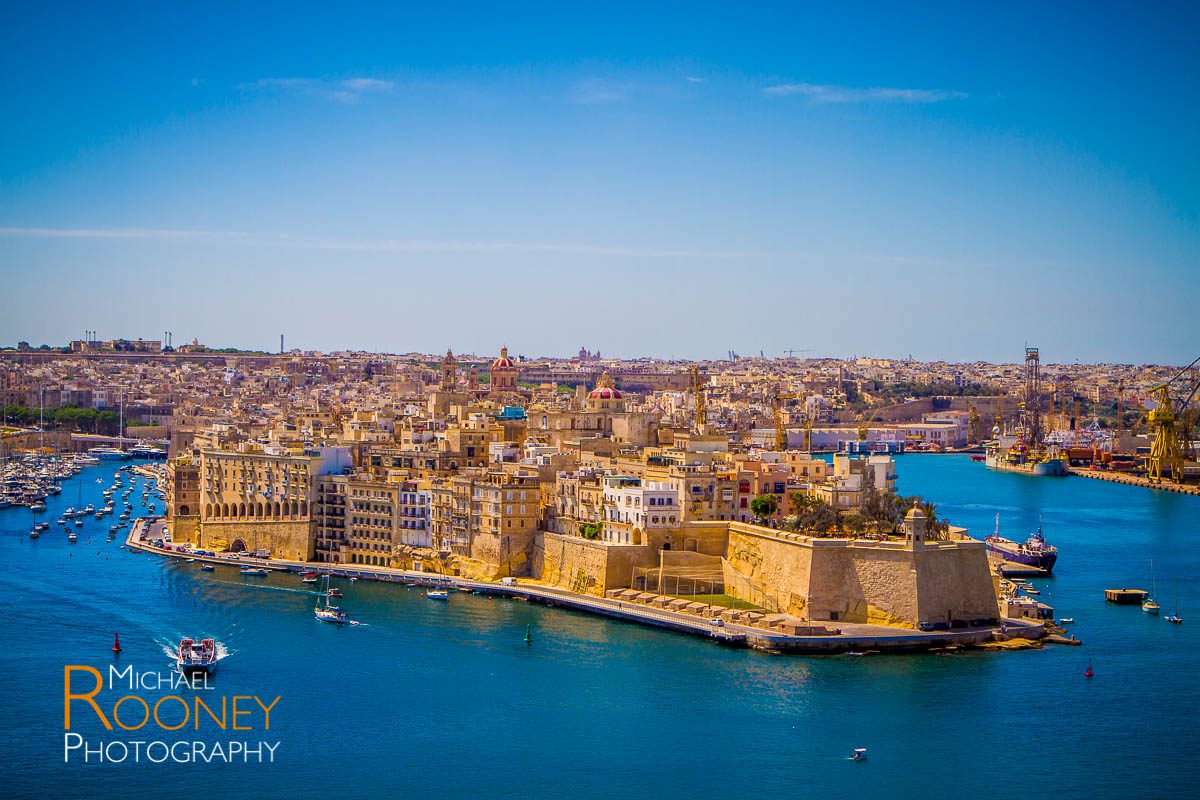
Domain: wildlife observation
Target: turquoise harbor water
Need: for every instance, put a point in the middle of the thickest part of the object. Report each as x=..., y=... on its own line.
x=446, y=700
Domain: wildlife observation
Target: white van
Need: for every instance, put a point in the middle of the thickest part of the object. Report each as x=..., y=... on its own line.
x=508, y=581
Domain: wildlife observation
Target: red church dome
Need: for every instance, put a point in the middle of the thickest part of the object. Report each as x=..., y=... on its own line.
x=503, y=362
x=604, y=393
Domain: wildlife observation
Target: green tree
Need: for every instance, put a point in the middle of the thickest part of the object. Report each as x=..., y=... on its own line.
x=764, y=505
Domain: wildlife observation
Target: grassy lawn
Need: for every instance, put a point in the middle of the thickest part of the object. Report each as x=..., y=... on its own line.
x=719, y=600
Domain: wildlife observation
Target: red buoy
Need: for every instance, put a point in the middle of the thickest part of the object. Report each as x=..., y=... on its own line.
x=1087, y=673
x=116, y=642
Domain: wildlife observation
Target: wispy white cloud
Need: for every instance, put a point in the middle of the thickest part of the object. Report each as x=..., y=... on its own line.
x=360, y=245
x=828, y=93
x=595, y=91
x=693, y=79
x=344, y=90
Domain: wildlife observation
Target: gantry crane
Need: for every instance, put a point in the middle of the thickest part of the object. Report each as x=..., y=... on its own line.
x=973, y=422
x=1169, y=449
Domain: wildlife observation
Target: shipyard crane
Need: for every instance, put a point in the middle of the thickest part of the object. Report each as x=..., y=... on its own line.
x=701, y=411
x=864, y=422
x=791, y=353
x=973, y=422
x=1172, y=430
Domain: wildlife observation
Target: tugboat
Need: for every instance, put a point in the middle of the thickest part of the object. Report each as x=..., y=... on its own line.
x=196, y=657
x=1033, y=552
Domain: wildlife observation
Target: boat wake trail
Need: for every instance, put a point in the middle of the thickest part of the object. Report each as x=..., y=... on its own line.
x=271, y=588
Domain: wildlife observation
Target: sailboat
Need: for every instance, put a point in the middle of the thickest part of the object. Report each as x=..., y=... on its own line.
x=1150, y=606
x=329, y=612
x=1174, y=615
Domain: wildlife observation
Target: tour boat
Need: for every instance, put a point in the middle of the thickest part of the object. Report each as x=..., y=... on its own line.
x=254, y=571
x=194, y=657
x=438, y=594
x=329, y=612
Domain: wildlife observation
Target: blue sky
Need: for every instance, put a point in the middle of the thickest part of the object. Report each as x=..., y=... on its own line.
x=942, y=180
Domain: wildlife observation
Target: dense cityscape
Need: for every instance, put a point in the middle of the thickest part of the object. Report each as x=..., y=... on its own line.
x=681, y=486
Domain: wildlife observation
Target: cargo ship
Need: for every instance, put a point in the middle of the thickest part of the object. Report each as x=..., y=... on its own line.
x=1033, y=552
x=1011, y=454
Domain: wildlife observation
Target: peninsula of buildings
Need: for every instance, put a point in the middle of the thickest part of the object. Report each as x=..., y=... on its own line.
x=701, y=488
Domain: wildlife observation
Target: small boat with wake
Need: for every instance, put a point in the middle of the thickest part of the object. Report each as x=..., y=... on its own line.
x=329, y=612
x=194, y=657
x=860, y=754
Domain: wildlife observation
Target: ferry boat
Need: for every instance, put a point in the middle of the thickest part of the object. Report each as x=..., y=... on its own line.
x=1033, y=552
x=196, y=657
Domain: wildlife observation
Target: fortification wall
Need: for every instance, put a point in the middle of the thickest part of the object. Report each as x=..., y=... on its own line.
x=292, y=539
x=769, y=571
x=955, y=584
x=587, y=566
x=881, y=583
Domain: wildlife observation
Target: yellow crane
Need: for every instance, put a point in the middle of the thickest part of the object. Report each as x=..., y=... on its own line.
x=1167, y=451
x=864, y=422
x=973, y=421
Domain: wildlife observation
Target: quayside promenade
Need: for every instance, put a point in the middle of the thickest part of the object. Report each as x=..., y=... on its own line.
x=834, y=638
